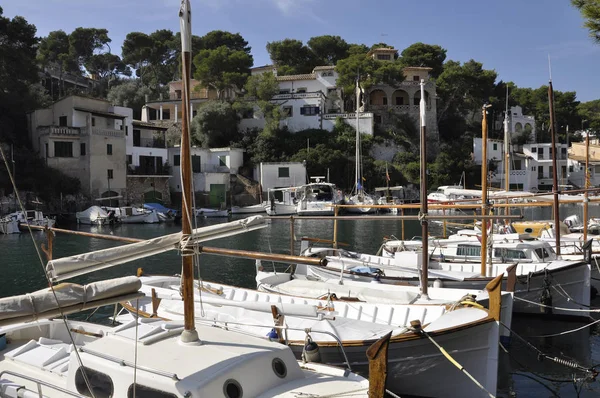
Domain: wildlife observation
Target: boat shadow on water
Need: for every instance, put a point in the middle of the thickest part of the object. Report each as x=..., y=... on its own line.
x=525, y=372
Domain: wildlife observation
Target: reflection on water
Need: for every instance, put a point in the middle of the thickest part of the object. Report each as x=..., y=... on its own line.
x=519, y=376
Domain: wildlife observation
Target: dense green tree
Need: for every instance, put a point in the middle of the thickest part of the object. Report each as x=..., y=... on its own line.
x=218, y=38
x=370, y=71
x=291, y=57
x=132, y=94
x=215, y=125
x=222, y=68
x=260, y=90
x=327, y=49
x=421, y=54
x=153, y=56
x=83, y=42
x=464, y=88
x=590, y=10
x=589, y=112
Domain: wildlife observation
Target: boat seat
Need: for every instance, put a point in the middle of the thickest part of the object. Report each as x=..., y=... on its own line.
x=48, y=354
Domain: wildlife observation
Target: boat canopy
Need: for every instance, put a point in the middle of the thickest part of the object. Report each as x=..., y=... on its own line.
x=68, y=267
x=158, y=207
x=71, y=297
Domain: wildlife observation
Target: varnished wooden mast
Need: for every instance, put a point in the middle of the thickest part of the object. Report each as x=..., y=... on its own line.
x=185, y=19
x=484, y=198
x=587, y=185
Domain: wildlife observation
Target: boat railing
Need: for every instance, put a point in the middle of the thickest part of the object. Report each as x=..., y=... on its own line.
x=283, y=327
x=123, y=362
x=40, y=383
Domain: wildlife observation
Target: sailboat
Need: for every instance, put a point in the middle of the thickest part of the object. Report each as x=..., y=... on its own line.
x=60, y=357
x=359, y=196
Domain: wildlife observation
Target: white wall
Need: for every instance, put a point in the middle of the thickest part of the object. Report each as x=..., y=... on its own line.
x=267, y=174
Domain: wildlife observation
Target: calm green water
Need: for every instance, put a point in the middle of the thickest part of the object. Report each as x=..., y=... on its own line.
x=521, y=372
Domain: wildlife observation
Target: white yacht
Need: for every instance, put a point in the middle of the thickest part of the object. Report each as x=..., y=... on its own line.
x=317, y=198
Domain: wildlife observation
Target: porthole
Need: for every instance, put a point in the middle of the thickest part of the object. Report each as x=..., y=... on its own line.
x=100, y=383
x=528, y=230
x=279, y=368
x=232, y=389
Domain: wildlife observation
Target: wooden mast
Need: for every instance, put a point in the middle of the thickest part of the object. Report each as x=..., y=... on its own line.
x=484, y=199
x=587, y=186
x=506, y=156
x=424, y=224
x=554, y=171
x=185, y=19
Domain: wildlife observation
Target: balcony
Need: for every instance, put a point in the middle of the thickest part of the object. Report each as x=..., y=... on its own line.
x=361, y=115
x=58, y=131
x=298, y=96
x=162, y=170
x=150, y=143
x=108, y=132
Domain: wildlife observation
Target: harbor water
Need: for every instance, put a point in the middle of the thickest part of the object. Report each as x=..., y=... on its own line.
x=522, y=372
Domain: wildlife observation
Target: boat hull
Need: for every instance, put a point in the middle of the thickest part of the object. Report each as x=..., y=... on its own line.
x=248, y=209
x=280, y=209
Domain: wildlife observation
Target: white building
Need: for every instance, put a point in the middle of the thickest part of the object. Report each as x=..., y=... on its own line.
x=273, y=175
x=518, y=123
x=577, y=163
x=530, y=164
x=85, y=139
x=309, y=101
x=212, y=169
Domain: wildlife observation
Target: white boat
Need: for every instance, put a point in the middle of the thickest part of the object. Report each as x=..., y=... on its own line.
x=317, y=198
x=284, y=206
x=543, y=280
x=56, y=358
x=134, y=215
x=209, y=213
x=9, y=224
x=95, y=215
x=361, y=199
x=164, y=213
x=252, y=209
x=356, y=324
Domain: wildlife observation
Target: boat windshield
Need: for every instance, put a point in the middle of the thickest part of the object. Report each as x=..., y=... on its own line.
x=545, y=253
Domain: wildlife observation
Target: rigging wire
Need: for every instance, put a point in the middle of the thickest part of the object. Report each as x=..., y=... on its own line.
x=39, y=255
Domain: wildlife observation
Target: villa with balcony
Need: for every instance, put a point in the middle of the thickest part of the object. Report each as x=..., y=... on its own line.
x=167, y=111
x=309, y=101
x=84, y=138
x=530, y=165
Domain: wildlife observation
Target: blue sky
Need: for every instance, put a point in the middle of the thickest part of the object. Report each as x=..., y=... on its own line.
x=513, y=37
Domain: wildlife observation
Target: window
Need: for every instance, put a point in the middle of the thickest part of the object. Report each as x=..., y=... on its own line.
x=570, y=169
x=82, y=149
x=143, y=391
x=301, y=90
x=284, y=172
x=129, y=159
x=509, y=253
x=109, y=149
x=331, y=91
x=100, y=383
x=62, y=121
x=541, y=172
x=533, y=168
x=249, y=114
x=109, y=174
x=126, y=130
x=399, y=100
x=495, y=147
x=384, y=57
x=196, y=164
x=550, y=171
x=309, y=110
x=563, y=153
x=93, y=121
x=564, y=170
x=284, y=91
x=176, y=160
x=467, y=250
x=137, y=137
x=223, y=161
x=384, y=100
x=416, y=78
x=288, y=111
x=63, y=149
x=540, y=153
x=534, y=149
x=178, y=94
x=518, y=164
